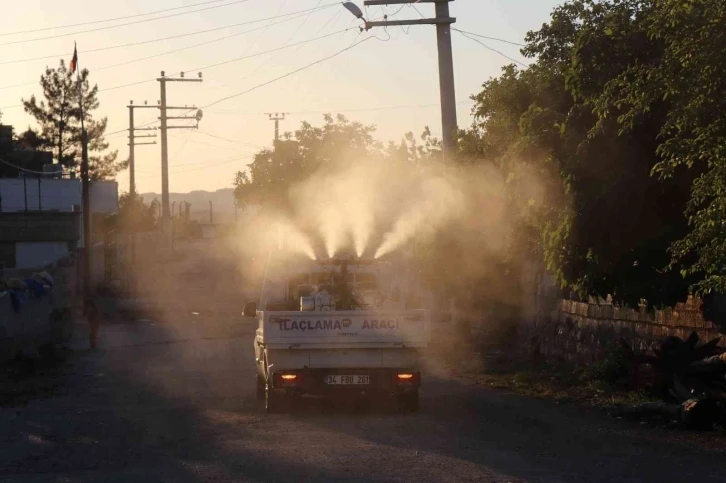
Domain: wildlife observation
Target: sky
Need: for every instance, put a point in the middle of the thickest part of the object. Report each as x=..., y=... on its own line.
x=390, y=81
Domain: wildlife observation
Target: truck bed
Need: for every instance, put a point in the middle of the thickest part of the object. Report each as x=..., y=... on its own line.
x=344, y=329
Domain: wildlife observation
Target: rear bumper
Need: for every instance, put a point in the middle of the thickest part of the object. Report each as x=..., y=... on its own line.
x=313, y=381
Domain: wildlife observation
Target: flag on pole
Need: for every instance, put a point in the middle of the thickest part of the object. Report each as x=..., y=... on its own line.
x=74, y=60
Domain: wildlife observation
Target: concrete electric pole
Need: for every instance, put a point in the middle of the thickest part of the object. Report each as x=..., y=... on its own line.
x=277, y=117
x=132, y=142
x=165, y=214
x=443, y=23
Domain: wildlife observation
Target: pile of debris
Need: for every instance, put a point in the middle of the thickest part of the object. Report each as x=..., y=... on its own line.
x=689, y=379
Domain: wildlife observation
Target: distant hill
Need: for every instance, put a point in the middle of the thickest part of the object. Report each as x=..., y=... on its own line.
x=222, y=203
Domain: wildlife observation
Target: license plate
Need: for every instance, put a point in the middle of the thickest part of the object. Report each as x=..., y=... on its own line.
x=347, y=380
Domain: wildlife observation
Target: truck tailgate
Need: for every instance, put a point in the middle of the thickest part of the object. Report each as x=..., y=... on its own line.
x=349, y=329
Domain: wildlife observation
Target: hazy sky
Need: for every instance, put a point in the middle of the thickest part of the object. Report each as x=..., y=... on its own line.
x=401, y=71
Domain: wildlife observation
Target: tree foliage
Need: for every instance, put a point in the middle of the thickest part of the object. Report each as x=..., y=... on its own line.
x=620, y=118
x=298, y=155
x=686, y=79
x=58, y=114
x=30, y=139
x=587, y=118
x=135, y=215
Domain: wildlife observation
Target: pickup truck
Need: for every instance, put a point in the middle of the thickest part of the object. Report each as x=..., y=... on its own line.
x=304, y=344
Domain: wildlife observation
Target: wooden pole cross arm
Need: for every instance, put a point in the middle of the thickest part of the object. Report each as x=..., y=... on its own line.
x=424, y=21
x=372, y=3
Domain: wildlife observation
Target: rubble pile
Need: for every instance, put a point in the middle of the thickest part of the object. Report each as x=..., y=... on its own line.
x=689, y=379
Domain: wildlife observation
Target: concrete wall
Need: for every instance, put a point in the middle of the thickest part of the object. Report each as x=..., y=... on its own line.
x=35, y=239
x=33, y=254
x=39, y=226
x=41, y=320
x=584, y=333
x=28, y=327
x=56, y=194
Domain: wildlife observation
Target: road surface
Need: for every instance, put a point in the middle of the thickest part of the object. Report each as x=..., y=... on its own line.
x=173, y=400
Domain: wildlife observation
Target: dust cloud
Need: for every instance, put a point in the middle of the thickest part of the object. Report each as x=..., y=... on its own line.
x=375, y=208
x=457, y=223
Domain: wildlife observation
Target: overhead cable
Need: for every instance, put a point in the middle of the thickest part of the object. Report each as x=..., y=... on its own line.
x=319, y=61
x=493, y=50
x=293, y=15
x=18, y=32
x=80, y=32
x=489, y=38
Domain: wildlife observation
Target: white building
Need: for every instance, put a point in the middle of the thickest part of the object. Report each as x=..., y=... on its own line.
x=48, y=194
x=47, y=231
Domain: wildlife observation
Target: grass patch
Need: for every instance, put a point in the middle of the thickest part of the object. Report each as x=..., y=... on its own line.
x=600, y=385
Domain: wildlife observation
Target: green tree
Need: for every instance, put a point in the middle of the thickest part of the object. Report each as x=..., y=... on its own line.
x=686, y=79
x=135, y=215
x=58, y=115
x=606, y=224
x=297, y=156
x=30, y=139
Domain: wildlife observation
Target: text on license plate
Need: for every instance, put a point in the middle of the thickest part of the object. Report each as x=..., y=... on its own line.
x=356, y=379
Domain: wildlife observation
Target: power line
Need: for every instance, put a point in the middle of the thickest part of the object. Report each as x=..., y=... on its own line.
x=293, y=15
x=319, y=61
x=295, y=32
x=210, y=66
x=202, y=43
x=402, y=7
x=413, y=5
x=205, y=165
x=238, y=158
x=15, y=42
x=5, y=34
x=343, y=110
x=21, y=169
x=489, y=38
x=493, y=50
x=229, y=140
x=228, y=146
x=261, y=34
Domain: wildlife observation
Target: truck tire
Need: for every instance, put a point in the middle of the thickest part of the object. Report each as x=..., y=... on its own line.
x=260, y=383
x=408, y=403
x=274, y=402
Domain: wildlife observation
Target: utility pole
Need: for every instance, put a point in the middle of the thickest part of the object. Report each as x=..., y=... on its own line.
x=211, y=212
x=86, y=202
x=277, y=117
x=132, y=142
x=25, y=191
x=165, y=218
x=446, y=61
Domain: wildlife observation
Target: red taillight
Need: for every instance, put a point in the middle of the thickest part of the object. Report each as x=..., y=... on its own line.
x=286, y=379
x=407, y=378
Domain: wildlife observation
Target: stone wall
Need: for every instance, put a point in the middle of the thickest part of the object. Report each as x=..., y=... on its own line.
x=583, y=333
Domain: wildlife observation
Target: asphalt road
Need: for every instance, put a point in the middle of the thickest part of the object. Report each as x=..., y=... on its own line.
x=173, y=400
